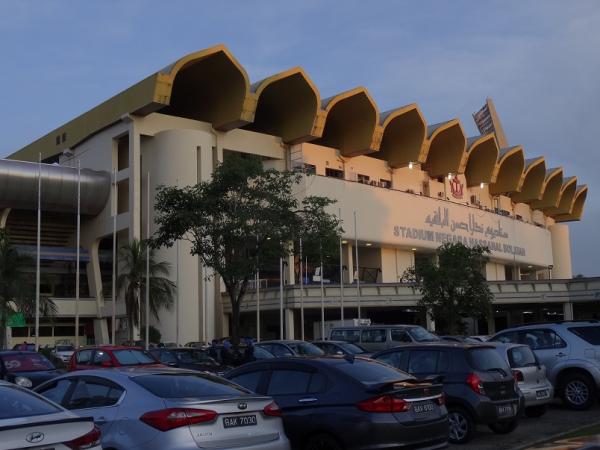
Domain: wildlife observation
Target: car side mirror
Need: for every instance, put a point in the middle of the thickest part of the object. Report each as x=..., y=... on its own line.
x=106, y=364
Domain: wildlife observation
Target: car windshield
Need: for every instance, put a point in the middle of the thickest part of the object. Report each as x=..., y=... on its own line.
x=420, y=334
x=26, y=362
x=521, y=357
x=193, y=356
x=371, y=373
x=164, y=356
x=487, y=360
x=188, y=385
x=133, y=357
x=589, y=334
x=306, y=349
x=353, y=349
x=261, y=353
x=65, y=348
x=16, y=402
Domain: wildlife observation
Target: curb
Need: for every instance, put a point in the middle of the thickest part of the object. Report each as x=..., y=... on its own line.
x=555, y=437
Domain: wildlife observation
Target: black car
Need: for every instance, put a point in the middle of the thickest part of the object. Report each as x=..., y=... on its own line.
x=335, y=403
x=478, y=383
x=341, y=348
x=26, y=369
x=291, y=347
x=188, y=358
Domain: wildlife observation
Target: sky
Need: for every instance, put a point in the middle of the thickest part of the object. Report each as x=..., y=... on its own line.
x=538, y=61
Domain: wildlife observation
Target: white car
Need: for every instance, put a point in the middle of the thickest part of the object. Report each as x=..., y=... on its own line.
x=29, y=421
x=64, y=352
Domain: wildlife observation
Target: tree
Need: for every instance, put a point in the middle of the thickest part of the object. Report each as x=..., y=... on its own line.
x=454, y=287
x=245, y=214
x=132, y=281
x=17, y=295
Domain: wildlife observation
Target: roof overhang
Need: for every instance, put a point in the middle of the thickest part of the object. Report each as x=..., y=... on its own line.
x=566, y=196
x=480, y=161
x=551, y=190
x=508, y=170
x=532, y=181
x=446, y=144
x=577, y=205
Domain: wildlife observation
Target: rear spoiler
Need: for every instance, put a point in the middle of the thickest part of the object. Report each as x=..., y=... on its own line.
x=48, y=422
x=399, y=385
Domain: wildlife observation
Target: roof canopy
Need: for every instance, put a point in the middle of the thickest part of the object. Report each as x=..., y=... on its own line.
x=508, y=170
x=532, y=181
x=551, y=189
x=576, y=205
x=480, y=161
x=445, y=148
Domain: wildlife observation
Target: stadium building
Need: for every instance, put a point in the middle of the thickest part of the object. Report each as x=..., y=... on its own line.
x=410, y=184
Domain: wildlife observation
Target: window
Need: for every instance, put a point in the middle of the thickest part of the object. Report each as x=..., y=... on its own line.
x=310, y=169
x=420, y=334
x=385, y=183
x=400, y=336
x=589, y=334
x=84, y=356
x=345, y=335
x=334, y=173
x=510, y=337
x=486, y=359
x=132, y=357
x=423, y=362
x=249, y=380
x=392, y=358
x=541, y=339
x=295, y=382
x=521, y=357
x=100, y=357
x=306, y=349
x=280, y=350
x=186, y=385
x=19, y=331
x=94, y=394
x=16, y=402
x=373, y=336
x=371, y=373
x=352, y=348
x=363, y=178
x=56, y=391
x=27, y=362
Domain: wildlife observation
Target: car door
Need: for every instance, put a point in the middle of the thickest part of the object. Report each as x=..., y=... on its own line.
x=96, y=397
x=550, y=349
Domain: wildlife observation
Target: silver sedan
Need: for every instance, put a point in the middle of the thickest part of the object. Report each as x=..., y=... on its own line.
x=162, y=408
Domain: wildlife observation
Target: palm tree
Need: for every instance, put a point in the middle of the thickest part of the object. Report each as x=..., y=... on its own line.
x=132, y=281
x=16, y=287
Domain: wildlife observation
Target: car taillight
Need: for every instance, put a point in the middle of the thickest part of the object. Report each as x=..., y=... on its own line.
x=518, y=375
x=272, y=410
x=383, y=404
x=168, y=419
x=92, y=439
x=441, y=400
x=476, y=384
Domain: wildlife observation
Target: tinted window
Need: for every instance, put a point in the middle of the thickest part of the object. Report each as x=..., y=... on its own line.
x=187, y=386
x=192, y=356
x=56, y=391
x=15, y=402
x=521, y=357
x=485, y=359
x=508, y=337
x=84, y=356
x=400, y=336
x=589, y=334
x=279, y=350
x=420, y=334
x=352, y=348
x=373, y=336
x=261, y=353
x=133, y=357
x=370, y=372
x=100, y=357
x=541, y=339
x=94, y=394
x=249, y=380
x=393, y=359
x=423, y=361
x=164, y=357
x=286, y=382
x=26, y=362
x=306, y=349
x=345, y=335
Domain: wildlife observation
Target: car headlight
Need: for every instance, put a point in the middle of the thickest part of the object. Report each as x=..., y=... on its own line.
x=23, y=382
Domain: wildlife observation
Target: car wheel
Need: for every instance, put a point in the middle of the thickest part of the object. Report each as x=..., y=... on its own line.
x=536, y=411
x=504, y=427
x=322, y=442
x=577, y=391
x=461, y=425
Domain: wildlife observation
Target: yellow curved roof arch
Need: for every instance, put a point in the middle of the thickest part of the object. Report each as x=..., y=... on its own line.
x=551, y=189
x=566, y=196
x=445, y=151
x=532, y=181
x=577, y=205
x=508, y=170
x=288, y=104
x=350, y=123
x=480, y=160
x=403, y=136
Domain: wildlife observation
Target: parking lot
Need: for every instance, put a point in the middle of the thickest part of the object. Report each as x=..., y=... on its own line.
x=557, y=420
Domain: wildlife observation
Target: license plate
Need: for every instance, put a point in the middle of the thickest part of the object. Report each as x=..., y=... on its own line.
x=239, y=421
x=543, y=393
x=423, y=407
x=506, y=411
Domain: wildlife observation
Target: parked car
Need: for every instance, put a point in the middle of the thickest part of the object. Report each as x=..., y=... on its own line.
x=163, y=408
x=570, y=351
x=340, y=348
x=197, y=344
x=481, y=337
x=63, y=352
x=24, y=347
x=189, y=358
x=464, y=339
x=379, y=337
x=26, y=369
x=107, y=356
x=530, y=376
x=335, y=403
x=29, y=420
x=281, y=348
x=478, y=383
x=235, y=359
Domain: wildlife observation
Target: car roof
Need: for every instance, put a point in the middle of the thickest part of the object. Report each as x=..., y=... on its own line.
x=439, y=344
x=283, y=341
x=111, y=347
x=18, y=352
x=563, y=323
x=324, y=341
x=360, y=327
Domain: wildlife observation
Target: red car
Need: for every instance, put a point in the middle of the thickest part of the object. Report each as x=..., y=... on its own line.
x=106, y=356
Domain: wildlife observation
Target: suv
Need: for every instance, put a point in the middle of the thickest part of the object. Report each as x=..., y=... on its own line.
x=379, y=337
x=571, y=353
x=478, y=383
x=106, y=356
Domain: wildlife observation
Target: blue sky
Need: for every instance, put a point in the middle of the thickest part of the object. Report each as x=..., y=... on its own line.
x=538, y=60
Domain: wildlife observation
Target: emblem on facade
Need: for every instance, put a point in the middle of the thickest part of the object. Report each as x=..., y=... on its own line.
x=456, y=187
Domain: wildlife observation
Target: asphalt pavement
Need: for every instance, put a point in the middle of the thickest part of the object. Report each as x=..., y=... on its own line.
x=557, y=420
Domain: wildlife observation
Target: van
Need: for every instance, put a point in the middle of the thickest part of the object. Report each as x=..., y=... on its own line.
x=380, y=337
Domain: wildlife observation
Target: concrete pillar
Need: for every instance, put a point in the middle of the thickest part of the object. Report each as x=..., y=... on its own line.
x=389, y=267
x=561, y=252
x=224, y=325
x=350, y=262
x=429, y=322
x=289, y=323
x=101, y=335
x=491, y=324
x=568, y=311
